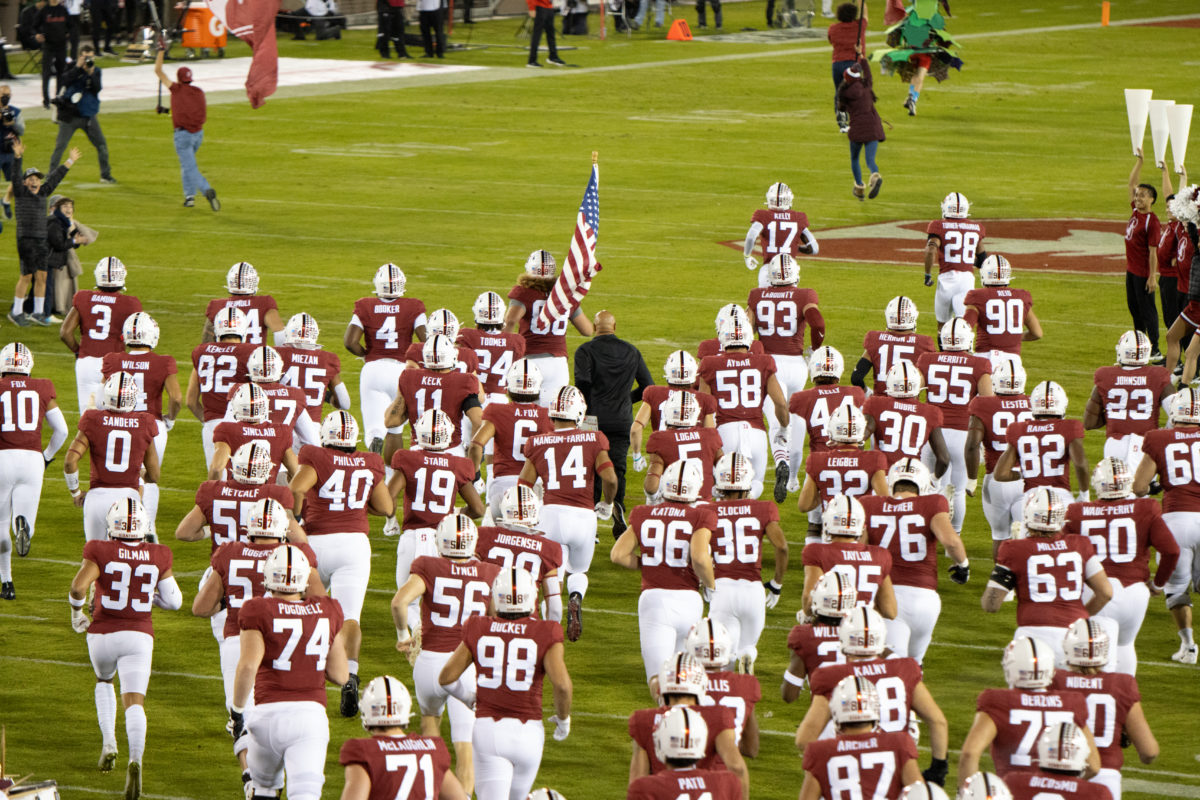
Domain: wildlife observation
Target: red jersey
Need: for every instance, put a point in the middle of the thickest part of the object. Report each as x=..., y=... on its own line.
x=565, y=461
x=387, y=325
x=866, y=565
x=254, y=306
x=23, y=406
x=287, y=402
x=914, y=549
x=400, y=767
x=845, y=470
x=1131, y=398
x=874, y=760
x=739, y=382
x=150, y=372
x=226, y=507
x=1043, y=450
x=296, y=635
x=655, y=396
x=240, y=567
x=510, y=657
x=902, y=427
x=781, y=231
x=779, y=318
x=675, y=444
x=1173, y=451
x=235, y=434
x=734, y=691
x=431, y=482
x=998, y=315
x=1019, y=716
x=1051, y=572
x=712, y=347
x=125, y=587
x=467, y=360
x=885, y=349
x=531, y=551
x=1041, y=785
x=958, y=242
x=664, y=535
x=895, y=678
x=424, y=389
x=951, y=380
x=315, y=372
x=495, y=353
x=102, y=315
x=686, y=784
x=220, y=367
x=643, y=721
x=816, y=405
x=1109, y=696
x=117, y=445
x=996, y=413
x=539, y=338
x=514, y=424
x=337, y=503
x=1141, y=234
x=817, y=645
x=737, y=539
x=455, y=591
x=1123, y=531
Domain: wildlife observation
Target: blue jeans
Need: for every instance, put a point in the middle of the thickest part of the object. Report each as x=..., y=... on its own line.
x=660, y=8
x=855, y=149
x=186, y=145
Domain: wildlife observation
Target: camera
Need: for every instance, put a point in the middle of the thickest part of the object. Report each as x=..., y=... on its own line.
x=7, y=115
x=89, y=62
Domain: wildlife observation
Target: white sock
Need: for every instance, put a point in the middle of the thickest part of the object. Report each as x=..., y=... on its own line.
x=353, y=664
x=135, y=731
x=6, y=558
x=18, y=306
x=106, y=712
x=150, y=500
x=1186, y=635
x=577, y=582
x=39, y=304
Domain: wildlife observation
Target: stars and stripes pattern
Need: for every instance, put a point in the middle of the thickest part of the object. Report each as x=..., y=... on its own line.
x=581, y=266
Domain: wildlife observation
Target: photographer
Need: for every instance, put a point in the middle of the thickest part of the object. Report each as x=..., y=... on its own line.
x=189, y=110
x=78, y=107
x=12, y=128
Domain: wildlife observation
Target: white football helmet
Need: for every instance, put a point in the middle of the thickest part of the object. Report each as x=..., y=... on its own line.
x=912, y=471
x=779, y=197
x=230, y=321
x=242, y=278
x=514, y=591
x=1048, y=399
x=119, y=392
x=568, y=405
x=985, y=786
x=682, y=480
x=110, y=273
x=286, y=570
x=140, y=330
x=442, y=321
x=127, y=520
x=268, y=520
x=846, y=425
x=434, y=430
x=521, y=508
x=834, y=595
x=339, y=429
x=1133, y=349
x=995, y=271
x=826, y=362
x=302, y=331
x=955, y=206
x=854, y=699
x=249, y=404
x=709, y=641
x=923, y=790
x=734, y=473
x=524, y=378
x=957, y=336
x=904, y=380
x=683, y=673
x=385, y=703
x=681, y=369
x=680, y=410
x=1045, y=511
x=251, y=463
x=1185, y=407
x=901, y=314
x=863, y=632
x=1063, y=746
x=439, y=352
x=730, y=311
x=1028, y=663
x=489, y=309
x=1008, y=377
x=456, y=536
x=843, y=518
x=1086, y=644
x=541, y=264
x=784, y=270
x=545, y=794
x=681, y=735
x=265, y=365
x=1112, y=479
x=736, y=332
x=16, y=358
x=389, y=282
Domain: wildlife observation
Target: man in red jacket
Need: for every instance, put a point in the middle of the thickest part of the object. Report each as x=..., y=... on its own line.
x=542, y=13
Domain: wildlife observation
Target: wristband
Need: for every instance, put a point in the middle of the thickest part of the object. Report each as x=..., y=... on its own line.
x=77, y=604
x=775, y=587
x=72, y=479
x=402, y=634
x=793, y=680
x=603, y=466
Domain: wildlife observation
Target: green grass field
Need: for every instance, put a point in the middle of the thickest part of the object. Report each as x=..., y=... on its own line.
x=458, y=179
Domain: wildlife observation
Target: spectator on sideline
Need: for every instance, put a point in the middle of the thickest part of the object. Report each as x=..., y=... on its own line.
x=11, y=130
x=660, y=7
x=189, y=110
x=391, y=28
x=26, y=23
x=65, y=233
x=701, y=17
x=848, y=38
x=74, y=24
x=431, y=14
x=857, y=98
x=542, y=13
x=104, y=13
x=1141, y=259
x=83, y=80
x=50, y=29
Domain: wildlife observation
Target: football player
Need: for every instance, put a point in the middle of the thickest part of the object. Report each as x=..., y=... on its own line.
x=682, y=437
x=1115, y=715
x=495, y=350
x=681, y=373
x=1123, y=528
x=444, y=322
x=371, y=762
x=1127, y=397
x=289, y=647
x=334, y=491
x=874, y=764
x=567, y=461
x=882, y=350
x=816, y=643
x=287, y=404
x=307, y=366
x=669, y=543
x=547, y=344
x=511, y=650
x=782, y=231
x=131, y=576
x=518, y=542
x=380, y=331
x=900, y=425
x=1042, y=447
x=910, y=523
x=98, y=315
x=1001, y=316
x=1048, y=571
x=120, y=444
x=452, y=587
x=680, y=741
x=1181, y=508
x=743, y=597
x=710, y=642
x=27, y=403
x=437, y=384
x=1063, y=755
x=952, y=378
x=262, y=315
x=985, y=786
x=843, y=467
x=711, y=347
x=250, y=410
x=956, y=242
x=843, y=548
x=217, y=368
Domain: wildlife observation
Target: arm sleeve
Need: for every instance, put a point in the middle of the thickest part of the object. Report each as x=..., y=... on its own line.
x=167, y=595
x=342, y=396
x=858, y=378
x=816, y=324
x=812, y=241
x=644, y=378
x=307, y=429
x=58, y=432
x=751, y=238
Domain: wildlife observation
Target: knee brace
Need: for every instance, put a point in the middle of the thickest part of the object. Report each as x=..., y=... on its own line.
x=1177, y=600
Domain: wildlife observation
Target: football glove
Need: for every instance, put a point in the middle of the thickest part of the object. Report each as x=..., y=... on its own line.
x=751, y=263
x=928, y=279
x=780, y=438
x=938, y=769
x=239, y=724
x=773, y=591
x=639, y=462
x=707, y=593
x=562, y=728
x=604, y=510
x=960, y=573
x=79, y=620
x=972, y=486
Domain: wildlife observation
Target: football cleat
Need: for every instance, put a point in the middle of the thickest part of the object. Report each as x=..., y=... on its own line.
x=782, y=471
x=8, y=591
x=1048, y=399
x=110, y=273
x=242, y=278
x=349, y=703
x=779, y=197
x=681, y=734
x=901, y=314
x=23, y=535
x=133, y=781
x=139, y=330
x=286, y=570
x=108, y=757
x=995, y=271
x=854, y=699
x=574, y=617
x=955, y=205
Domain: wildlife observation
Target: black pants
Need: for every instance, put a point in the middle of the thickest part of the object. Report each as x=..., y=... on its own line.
x=433, y=26
x=104, y=23
x=1172, y=300
x=32, y=251
x=390, y=32
x=618, y=451
x=54, y=62
x=1141, y=307
x=466, y=9
x=701, y=19
x=543, y=21
x=73, y=26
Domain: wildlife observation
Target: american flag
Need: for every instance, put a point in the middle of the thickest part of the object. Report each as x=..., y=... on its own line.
x=576, y=277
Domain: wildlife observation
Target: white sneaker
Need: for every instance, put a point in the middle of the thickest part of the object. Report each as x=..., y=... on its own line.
x=1186, y=654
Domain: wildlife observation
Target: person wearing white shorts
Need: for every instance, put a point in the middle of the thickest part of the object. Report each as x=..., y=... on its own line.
x=290, y=738
x=556, y=373
x=665, y=616
x=344, y=566
x=376, y=389
x=88, y=378
x=742, y=437
x=952, y=288
x=575, y=529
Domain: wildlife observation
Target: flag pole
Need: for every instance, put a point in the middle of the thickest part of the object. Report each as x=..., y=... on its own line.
x=595, y=157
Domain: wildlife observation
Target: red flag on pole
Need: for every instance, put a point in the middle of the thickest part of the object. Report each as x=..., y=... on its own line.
x=581, y=266
x=253, y=21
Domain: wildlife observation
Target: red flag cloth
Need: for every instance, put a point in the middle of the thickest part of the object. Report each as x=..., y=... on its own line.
x=576, y=277
x=253, y=21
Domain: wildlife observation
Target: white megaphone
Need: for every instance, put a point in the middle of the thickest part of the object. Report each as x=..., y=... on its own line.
x=1159, y=132
x=1179, y=120
x=1137, y=106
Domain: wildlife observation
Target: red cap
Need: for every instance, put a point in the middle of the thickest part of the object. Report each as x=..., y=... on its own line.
x=184, y=75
